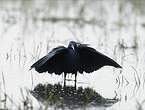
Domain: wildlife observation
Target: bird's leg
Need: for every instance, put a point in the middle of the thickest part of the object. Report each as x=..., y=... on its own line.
x=64, y=79
x=75, y=79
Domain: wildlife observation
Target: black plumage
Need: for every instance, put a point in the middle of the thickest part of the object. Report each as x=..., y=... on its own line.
x=75, y=58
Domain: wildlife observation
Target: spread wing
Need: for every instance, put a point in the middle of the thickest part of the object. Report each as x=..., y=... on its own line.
x=91, y=60
x=54, y=62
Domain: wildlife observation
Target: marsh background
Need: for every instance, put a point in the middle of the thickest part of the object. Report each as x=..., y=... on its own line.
x=29, y=29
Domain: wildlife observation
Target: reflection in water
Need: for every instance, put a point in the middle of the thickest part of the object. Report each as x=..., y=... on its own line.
x=31, y=28
x=68, y=96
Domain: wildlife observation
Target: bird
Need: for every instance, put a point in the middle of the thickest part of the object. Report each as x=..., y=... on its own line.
x=74, y=59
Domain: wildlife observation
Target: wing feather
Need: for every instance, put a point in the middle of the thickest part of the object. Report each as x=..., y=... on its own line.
x=91, y=60
x=52, y=62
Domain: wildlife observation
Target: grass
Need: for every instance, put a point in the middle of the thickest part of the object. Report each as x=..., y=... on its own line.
x=23, y=55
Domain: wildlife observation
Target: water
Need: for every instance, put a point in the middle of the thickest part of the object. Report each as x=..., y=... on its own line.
x=30, y=29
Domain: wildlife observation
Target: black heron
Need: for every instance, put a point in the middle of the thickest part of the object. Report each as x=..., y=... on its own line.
x=75, y=58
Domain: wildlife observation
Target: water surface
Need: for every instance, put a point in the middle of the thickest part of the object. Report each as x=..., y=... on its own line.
x=30, y=29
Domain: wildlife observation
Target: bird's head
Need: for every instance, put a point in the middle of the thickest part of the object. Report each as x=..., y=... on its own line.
x=73, y=45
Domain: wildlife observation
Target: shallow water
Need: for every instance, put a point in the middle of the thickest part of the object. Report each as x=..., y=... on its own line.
x=30, y=29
